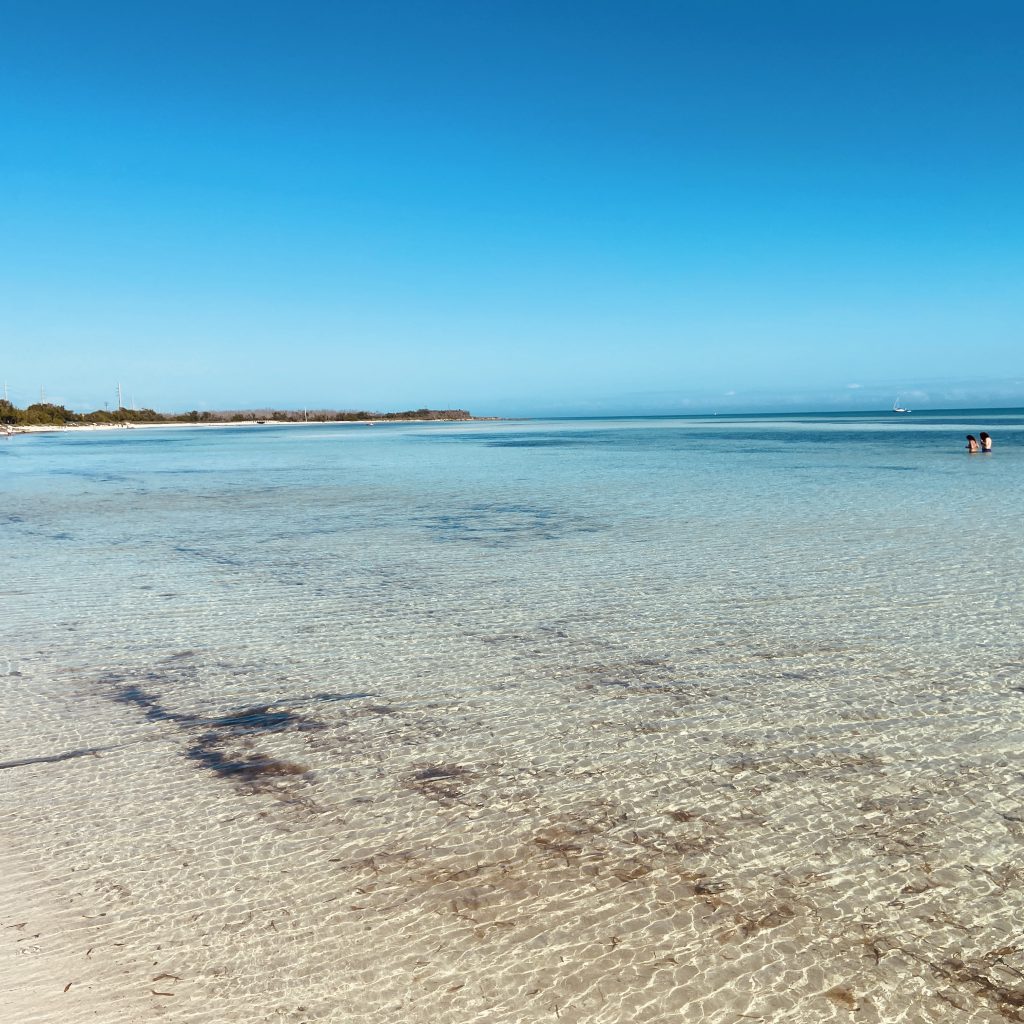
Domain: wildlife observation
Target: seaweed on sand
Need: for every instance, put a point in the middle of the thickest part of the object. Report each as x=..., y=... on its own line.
x=439, y=781
x=250, y=768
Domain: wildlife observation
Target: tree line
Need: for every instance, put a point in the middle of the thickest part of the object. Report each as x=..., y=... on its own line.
x=48, y=414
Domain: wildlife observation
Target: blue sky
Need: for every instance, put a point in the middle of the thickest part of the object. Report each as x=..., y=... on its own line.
x=513, y=207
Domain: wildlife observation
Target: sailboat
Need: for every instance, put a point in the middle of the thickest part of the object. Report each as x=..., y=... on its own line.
x=896, y=407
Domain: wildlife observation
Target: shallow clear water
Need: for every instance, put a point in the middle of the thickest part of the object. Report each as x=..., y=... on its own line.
x=606, y=720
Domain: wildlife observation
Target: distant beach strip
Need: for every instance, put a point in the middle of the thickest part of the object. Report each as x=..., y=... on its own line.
x=45, y=416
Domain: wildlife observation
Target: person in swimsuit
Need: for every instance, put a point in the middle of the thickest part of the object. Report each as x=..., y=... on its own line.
x=986, y=443
x=972, y=445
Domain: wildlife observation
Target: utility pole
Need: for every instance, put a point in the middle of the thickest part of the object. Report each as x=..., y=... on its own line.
x=5, y=391
x=119, y=402
x=42, y=394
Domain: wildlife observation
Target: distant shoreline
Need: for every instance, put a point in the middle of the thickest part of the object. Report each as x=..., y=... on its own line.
x=47, y=417
x=56, y=428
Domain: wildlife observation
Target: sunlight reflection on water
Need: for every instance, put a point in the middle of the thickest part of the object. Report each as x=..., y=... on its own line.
x=639, y=720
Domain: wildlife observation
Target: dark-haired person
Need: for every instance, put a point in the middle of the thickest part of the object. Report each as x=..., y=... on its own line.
x=972, y=445
x=986, y=443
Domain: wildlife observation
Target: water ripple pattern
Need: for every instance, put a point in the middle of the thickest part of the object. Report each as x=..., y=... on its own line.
x=650, y=720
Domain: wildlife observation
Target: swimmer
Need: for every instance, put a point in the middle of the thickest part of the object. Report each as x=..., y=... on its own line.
x=986, y=443
x=972, y=445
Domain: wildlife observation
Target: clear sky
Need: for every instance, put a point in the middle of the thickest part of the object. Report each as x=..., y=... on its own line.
x=513, y=206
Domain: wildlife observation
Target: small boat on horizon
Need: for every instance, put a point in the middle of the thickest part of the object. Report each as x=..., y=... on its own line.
x=896, y=407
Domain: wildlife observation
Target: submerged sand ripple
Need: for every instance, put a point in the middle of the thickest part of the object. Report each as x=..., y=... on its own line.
x=625, y=840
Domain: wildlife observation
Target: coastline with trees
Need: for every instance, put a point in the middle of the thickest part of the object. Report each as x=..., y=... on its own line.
x=49, y=416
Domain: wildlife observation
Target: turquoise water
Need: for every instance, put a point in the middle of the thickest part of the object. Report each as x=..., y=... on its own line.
x=651, y=526
x=521, y=643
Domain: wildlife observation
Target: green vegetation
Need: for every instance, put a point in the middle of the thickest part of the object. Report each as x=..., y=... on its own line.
x=49, y=415
x=46, y=414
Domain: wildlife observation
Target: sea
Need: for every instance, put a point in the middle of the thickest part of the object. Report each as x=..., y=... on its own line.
x=640, y=719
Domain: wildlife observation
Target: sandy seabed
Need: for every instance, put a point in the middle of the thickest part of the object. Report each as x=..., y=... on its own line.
x=622, y=841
